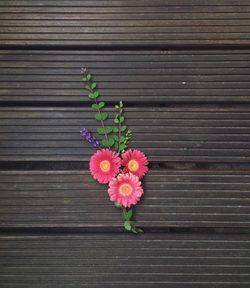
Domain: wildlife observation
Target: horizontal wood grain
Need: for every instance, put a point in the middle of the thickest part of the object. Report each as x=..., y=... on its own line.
x=186, y=133
x=124, y=22
x=172, y=199
x=122, y=260
x=134, y=76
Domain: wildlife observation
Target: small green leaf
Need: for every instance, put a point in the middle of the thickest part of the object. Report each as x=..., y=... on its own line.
x=105, y=143
x=122, y=139
x=101, y=104
x=115, y=129
x=104, y=115
x=116, y=106
x=93, y=85
x=100, y=130
x=127, y=225
x=116, y=120
x=84, y=79
x=101, y=116
x=87, y=87
x=129, y=214
x=109, y=129
x=123, y=128
x=116, y=205
x=121, y=119
x=111, y=142
x=108, y=142
x=88, y=77
x=122, y=147
x=98, y=117
x=94, y=95
x=94, y=106
x=121, y=104
x=116, y=138
x=116, y=146
x=136, y=230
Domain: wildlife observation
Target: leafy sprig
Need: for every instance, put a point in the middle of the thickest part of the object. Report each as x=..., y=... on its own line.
x=128, y=223
x=120, y=129
x=98, y=106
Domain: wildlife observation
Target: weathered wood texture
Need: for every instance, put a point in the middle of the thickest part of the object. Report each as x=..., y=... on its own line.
x=186, y=133
x=172, y=22
x=116, y=260
x=173, y=199
x=134, y=76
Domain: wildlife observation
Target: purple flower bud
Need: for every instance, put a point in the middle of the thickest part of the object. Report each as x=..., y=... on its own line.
x=85, y=133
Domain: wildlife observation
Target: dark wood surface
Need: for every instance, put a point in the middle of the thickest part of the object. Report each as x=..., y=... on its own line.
x=141, y=22
x=158, y=76
x=101, y=260
x=182, y=68
x=185, y=133
x=172, y=199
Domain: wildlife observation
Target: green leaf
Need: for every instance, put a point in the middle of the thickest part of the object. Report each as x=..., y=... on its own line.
x=94, y=106
x=127, y=225
x=121, y=119
x=116, y=120
x=116, y=106
x=100, y=130
x=93, y=85
x=104, y=115
x=136, y=230
x=105, y=143
x=129, y=214
x=87, y=87
x=101, y=104
x=94, y=95
x=122, y=139
x=98, y=117
x=123, y=128
x=116, y=146
x=111, y=142
x=108, y=142
x=84, y=79
x=116, y=205
x=109, y=129
x=121, y=104
x=115, y=129
x=122, y=147
x=101, y=116
x=88, y=77
x=116, y=138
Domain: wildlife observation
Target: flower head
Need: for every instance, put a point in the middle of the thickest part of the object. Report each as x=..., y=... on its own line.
x=125, y=189
x=104, y=165
x=135, y=162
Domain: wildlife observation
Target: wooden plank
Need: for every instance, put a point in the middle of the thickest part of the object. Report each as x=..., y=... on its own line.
x=176, y=133
x=172, y=199
x=134, y=76
x=122, y=260
x=124, y=23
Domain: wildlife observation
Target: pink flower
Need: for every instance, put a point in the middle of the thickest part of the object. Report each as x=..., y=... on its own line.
x=135, y=162
x=104, y=165
x=125, y=189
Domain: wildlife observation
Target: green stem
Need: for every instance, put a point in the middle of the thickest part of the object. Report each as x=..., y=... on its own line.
x=102, y=123
x=119, y=131
x=124, y=213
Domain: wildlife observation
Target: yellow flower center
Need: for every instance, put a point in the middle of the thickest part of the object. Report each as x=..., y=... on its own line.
x=105, y=165
x=133, y=165
x=125, y=189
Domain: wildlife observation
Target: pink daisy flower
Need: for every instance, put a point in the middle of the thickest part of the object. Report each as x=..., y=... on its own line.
x=104, y=165
x=135, y=162
x=125, y=189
